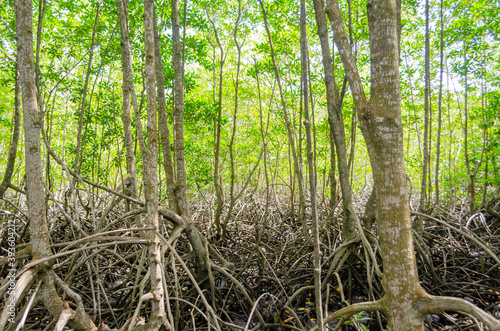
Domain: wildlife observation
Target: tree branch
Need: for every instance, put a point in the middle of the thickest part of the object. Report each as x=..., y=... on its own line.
x=342, y=42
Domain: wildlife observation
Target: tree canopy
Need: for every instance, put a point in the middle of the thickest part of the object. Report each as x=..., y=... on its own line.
x=274, y=163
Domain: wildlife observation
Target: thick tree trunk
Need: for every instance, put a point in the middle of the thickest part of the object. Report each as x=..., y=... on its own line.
x=404, y=302
x=384, y=137
x=32, y=124
x=39, y=232
x=380, y=122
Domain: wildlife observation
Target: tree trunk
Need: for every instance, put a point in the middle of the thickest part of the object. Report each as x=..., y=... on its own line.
x=310, y=164
x=438, y=142
x=162, y=119
x=470, y=172
x=195, y=237
x=77, y=165
x=234, y=197
x=217, y=178
x=259, y=229
x=405, y=302
x=336, y=125
x=380, y=123
x=288, y=125
x=425, y=169
x=150, y=161
x=39, y=232
x=126, y=79
x=333, y=179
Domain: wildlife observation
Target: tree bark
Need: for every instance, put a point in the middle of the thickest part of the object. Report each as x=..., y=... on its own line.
x=150, y=161
x=404, y=302
x=288, y=125
x=126, y=79
x=438, y=142
x=336, y=124
x=425, y=169
x=162, y=119
x=32, y=122
x=380, y=123
x=195, y=237
x=310, y=164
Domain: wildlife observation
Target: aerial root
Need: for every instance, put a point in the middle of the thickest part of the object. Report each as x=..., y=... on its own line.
x=134, y=320
x=22, y=284
x=348, y=311
x=435, y=304
x=426, y=304
x=64, y=318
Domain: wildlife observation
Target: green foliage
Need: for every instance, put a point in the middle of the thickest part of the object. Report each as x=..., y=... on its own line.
x=358, y=319
x=470, y=28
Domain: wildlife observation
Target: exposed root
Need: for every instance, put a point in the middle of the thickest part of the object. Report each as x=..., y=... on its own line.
x=21, y=285
x=107, y=273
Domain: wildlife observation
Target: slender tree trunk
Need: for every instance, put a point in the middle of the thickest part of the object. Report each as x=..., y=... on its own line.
x=485, y=139
x=162, y=119
x=219, y=194
x=470, y=172
x=352, y=147
x=352, y=142
x=126, y=80
x=195, y=237
x=414, y=109
x=299, y=139
x=310, y=163
x=438, y=142
x=232, y=199
x=259, y=229
x=423, y=189
x=333, y=179
x=336, y=125
x=450, y=142
x=150, y=160
x=288, y=125
x=79, y=147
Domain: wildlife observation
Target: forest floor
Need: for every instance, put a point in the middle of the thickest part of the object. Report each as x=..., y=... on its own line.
x=272, y=280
